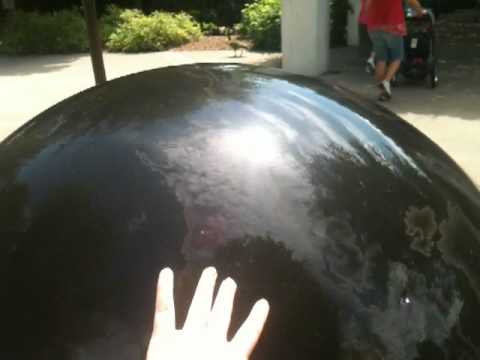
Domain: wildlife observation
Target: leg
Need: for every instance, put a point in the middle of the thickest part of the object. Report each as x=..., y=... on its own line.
x=370, y=62
x=392, y=70
x=396, y=53
x=380, y=70
x=381, y=53
x=383, y=81
x=380, y=47
x=370, y=68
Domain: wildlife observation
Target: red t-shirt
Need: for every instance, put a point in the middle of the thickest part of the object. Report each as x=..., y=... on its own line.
x=386, y=15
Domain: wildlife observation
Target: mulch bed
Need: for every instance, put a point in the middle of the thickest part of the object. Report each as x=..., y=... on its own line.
x=211, y=43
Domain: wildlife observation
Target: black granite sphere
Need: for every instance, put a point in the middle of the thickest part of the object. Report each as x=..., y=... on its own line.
x=360, y=231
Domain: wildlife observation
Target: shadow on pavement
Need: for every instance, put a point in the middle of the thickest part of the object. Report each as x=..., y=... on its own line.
x=30, y=65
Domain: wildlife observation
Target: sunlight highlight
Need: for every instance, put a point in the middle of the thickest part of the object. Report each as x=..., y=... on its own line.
x=254, y=144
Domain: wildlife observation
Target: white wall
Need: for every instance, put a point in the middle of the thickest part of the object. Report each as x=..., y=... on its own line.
x=353, y=36
x=305, y=36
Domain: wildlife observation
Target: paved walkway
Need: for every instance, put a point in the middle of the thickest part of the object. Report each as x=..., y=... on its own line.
x=29, y=85
x=449, y=115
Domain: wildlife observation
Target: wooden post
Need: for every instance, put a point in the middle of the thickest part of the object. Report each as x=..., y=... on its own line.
x=95, y=41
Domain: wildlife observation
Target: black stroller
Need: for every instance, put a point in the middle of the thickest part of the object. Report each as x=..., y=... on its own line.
x=420, y=62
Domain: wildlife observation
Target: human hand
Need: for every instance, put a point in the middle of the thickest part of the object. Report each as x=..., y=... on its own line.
x=420, y=12
x=204, y=334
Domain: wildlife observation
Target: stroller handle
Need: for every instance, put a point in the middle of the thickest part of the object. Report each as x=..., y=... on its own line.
x=411, y=14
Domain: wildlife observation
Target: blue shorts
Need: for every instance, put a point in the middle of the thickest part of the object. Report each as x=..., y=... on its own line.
x=388, y=47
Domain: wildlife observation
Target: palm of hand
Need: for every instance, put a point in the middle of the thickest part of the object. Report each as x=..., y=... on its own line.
x=204, y=334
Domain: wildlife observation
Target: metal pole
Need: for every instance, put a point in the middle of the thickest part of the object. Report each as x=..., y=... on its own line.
x=95, y=42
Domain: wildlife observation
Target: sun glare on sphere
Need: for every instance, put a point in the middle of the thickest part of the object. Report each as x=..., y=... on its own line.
x=254, y=144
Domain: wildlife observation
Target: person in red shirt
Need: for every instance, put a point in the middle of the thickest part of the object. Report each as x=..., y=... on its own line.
x=386, y=26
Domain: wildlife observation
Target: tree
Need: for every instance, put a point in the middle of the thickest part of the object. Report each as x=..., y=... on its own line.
x=95, y=42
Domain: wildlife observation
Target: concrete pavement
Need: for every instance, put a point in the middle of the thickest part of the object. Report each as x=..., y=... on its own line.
x=31, y=84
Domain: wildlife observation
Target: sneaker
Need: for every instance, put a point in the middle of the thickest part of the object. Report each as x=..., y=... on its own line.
x=386, y=88
x=370, y=68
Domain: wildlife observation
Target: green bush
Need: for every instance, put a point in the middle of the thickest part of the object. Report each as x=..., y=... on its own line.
x=122, y=30
x=261, y=24
x=110, y=21
x=33, y=33
x=137, y=32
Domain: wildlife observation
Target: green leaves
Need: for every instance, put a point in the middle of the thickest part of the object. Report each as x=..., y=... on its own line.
x=137, y=32
x=34, y=33
x=261, y=24
x=126, y=30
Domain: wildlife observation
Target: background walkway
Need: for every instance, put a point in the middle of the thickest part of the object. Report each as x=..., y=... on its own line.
x=29, y=85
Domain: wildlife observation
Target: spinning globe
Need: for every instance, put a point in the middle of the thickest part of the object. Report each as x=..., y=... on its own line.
x=362, y=233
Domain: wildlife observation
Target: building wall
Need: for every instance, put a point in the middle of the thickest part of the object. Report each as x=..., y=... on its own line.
x=305, y=36
x=353, y=36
